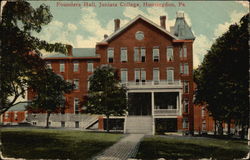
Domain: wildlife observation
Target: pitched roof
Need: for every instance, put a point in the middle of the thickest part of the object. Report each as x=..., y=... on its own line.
x=119, y=31
x=76, y=52
x=19, y=107
x=182, y=30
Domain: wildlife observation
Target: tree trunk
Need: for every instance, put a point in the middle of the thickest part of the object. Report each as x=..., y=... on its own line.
x=220, y=128
x=229, y=127
x=242, y=133
x=47, y=119
x=107, y=125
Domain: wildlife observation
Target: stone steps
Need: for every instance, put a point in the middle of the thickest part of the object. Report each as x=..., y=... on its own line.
x=139, y=125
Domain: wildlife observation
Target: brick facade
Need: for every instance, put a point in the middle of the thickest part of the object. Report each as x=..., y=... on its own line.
x=154, y=36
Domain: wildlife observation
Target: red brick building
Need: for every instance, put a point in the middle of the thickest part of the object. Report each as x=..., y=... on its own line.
x=15, y=115
x=156, y=65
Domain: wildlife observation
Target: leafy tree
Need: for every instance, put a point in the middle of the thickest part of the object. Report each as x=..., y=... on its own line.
x=49, y=93
x=20, y=51
x=106, y=95
x=222, y=78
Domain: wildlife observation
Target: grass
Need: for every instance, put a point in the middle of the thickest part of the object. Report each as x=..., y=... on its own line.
x=30, y=143
x=172, y=148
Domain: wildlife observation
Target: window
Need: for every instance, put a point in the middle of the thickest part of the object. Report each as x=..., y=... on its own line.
x=155, y=54
x=124, y=75
x=136, y=54
x=76, y=105
x=76, y=83
x=77, y=124
x=186, y=68
x=170, y=54
x=62, y=123
x=203, y=112
x=143, y=76
x=76, y=66
x=186, y=105
x=186, y=87
x=16, y=116
x=110, y=55
x=185, y=123
x=90, y=67
x=204, y=125
x=49, y=65
x=181, y=68
x=183, y=52
x=143, y=54
x=137, y=76
x=88, y=83
x=124, y=57
x=170, y=75
x=62, y=66
x=156, y=76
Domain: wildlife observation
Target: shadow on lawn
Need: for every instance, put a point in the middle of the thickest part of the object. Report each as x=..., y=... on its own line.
x=186, y=151
x=48, y=146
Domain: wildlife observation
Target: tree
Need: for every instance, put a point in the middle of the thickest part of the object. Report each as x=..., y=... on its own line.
x=106, y=95
x=222, y=78
x=49, y=93
x=20, y=51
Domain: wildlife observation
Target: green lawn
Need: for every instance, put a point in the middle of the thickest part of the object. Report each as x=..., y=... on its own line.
x=172, y=148
x=34, y=143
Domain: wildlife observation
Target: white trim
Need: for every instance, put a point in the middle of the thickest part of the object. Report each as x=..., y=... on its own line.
x=134, y=20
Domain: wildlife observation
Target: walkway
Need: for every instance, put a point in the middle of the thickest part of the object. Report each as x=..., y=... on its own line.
x=123, y=149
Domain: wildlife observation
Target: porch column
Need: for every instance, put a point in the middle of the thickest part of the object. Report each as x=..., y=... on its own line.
x=180, y=103
x=153, y=114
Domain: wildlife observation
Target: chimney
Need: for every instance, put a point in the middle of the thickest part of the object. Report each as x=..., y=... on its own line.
x=117, y=24
x=180, y=14
x=105, y=36
x=69, y=48
x=163, y=22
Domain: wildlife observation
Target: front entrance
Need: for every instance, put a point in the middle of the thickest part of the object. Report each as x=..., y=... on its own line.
x=139, y=104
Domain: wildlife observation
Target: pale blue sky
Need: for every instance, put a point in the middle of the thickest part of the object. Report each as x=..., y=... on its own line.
x=84, y=26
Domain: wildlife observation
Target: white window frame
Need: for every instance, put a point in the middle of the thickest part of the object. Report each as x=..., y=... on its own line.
x=137, y=74
x=172, y=75
x=143, y=54
x=181, y=68
x=76, y=83
x=170, y=53
x=76, y=103
x=156, y=75
x=186, y=105
x=110, y=55
x=136, y=54
x=143, y=75
x=185, y=84
x=124, y=54
x=185, y=68
x=75, y=66
x=156, y=54
x=185, y=122
x=124, y=72
x=62, y=66
x=90, y=66
x=184, y=51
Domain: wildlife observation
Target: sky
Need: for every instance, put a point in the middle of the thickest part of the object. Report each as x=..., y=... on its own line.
x=83, y=26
